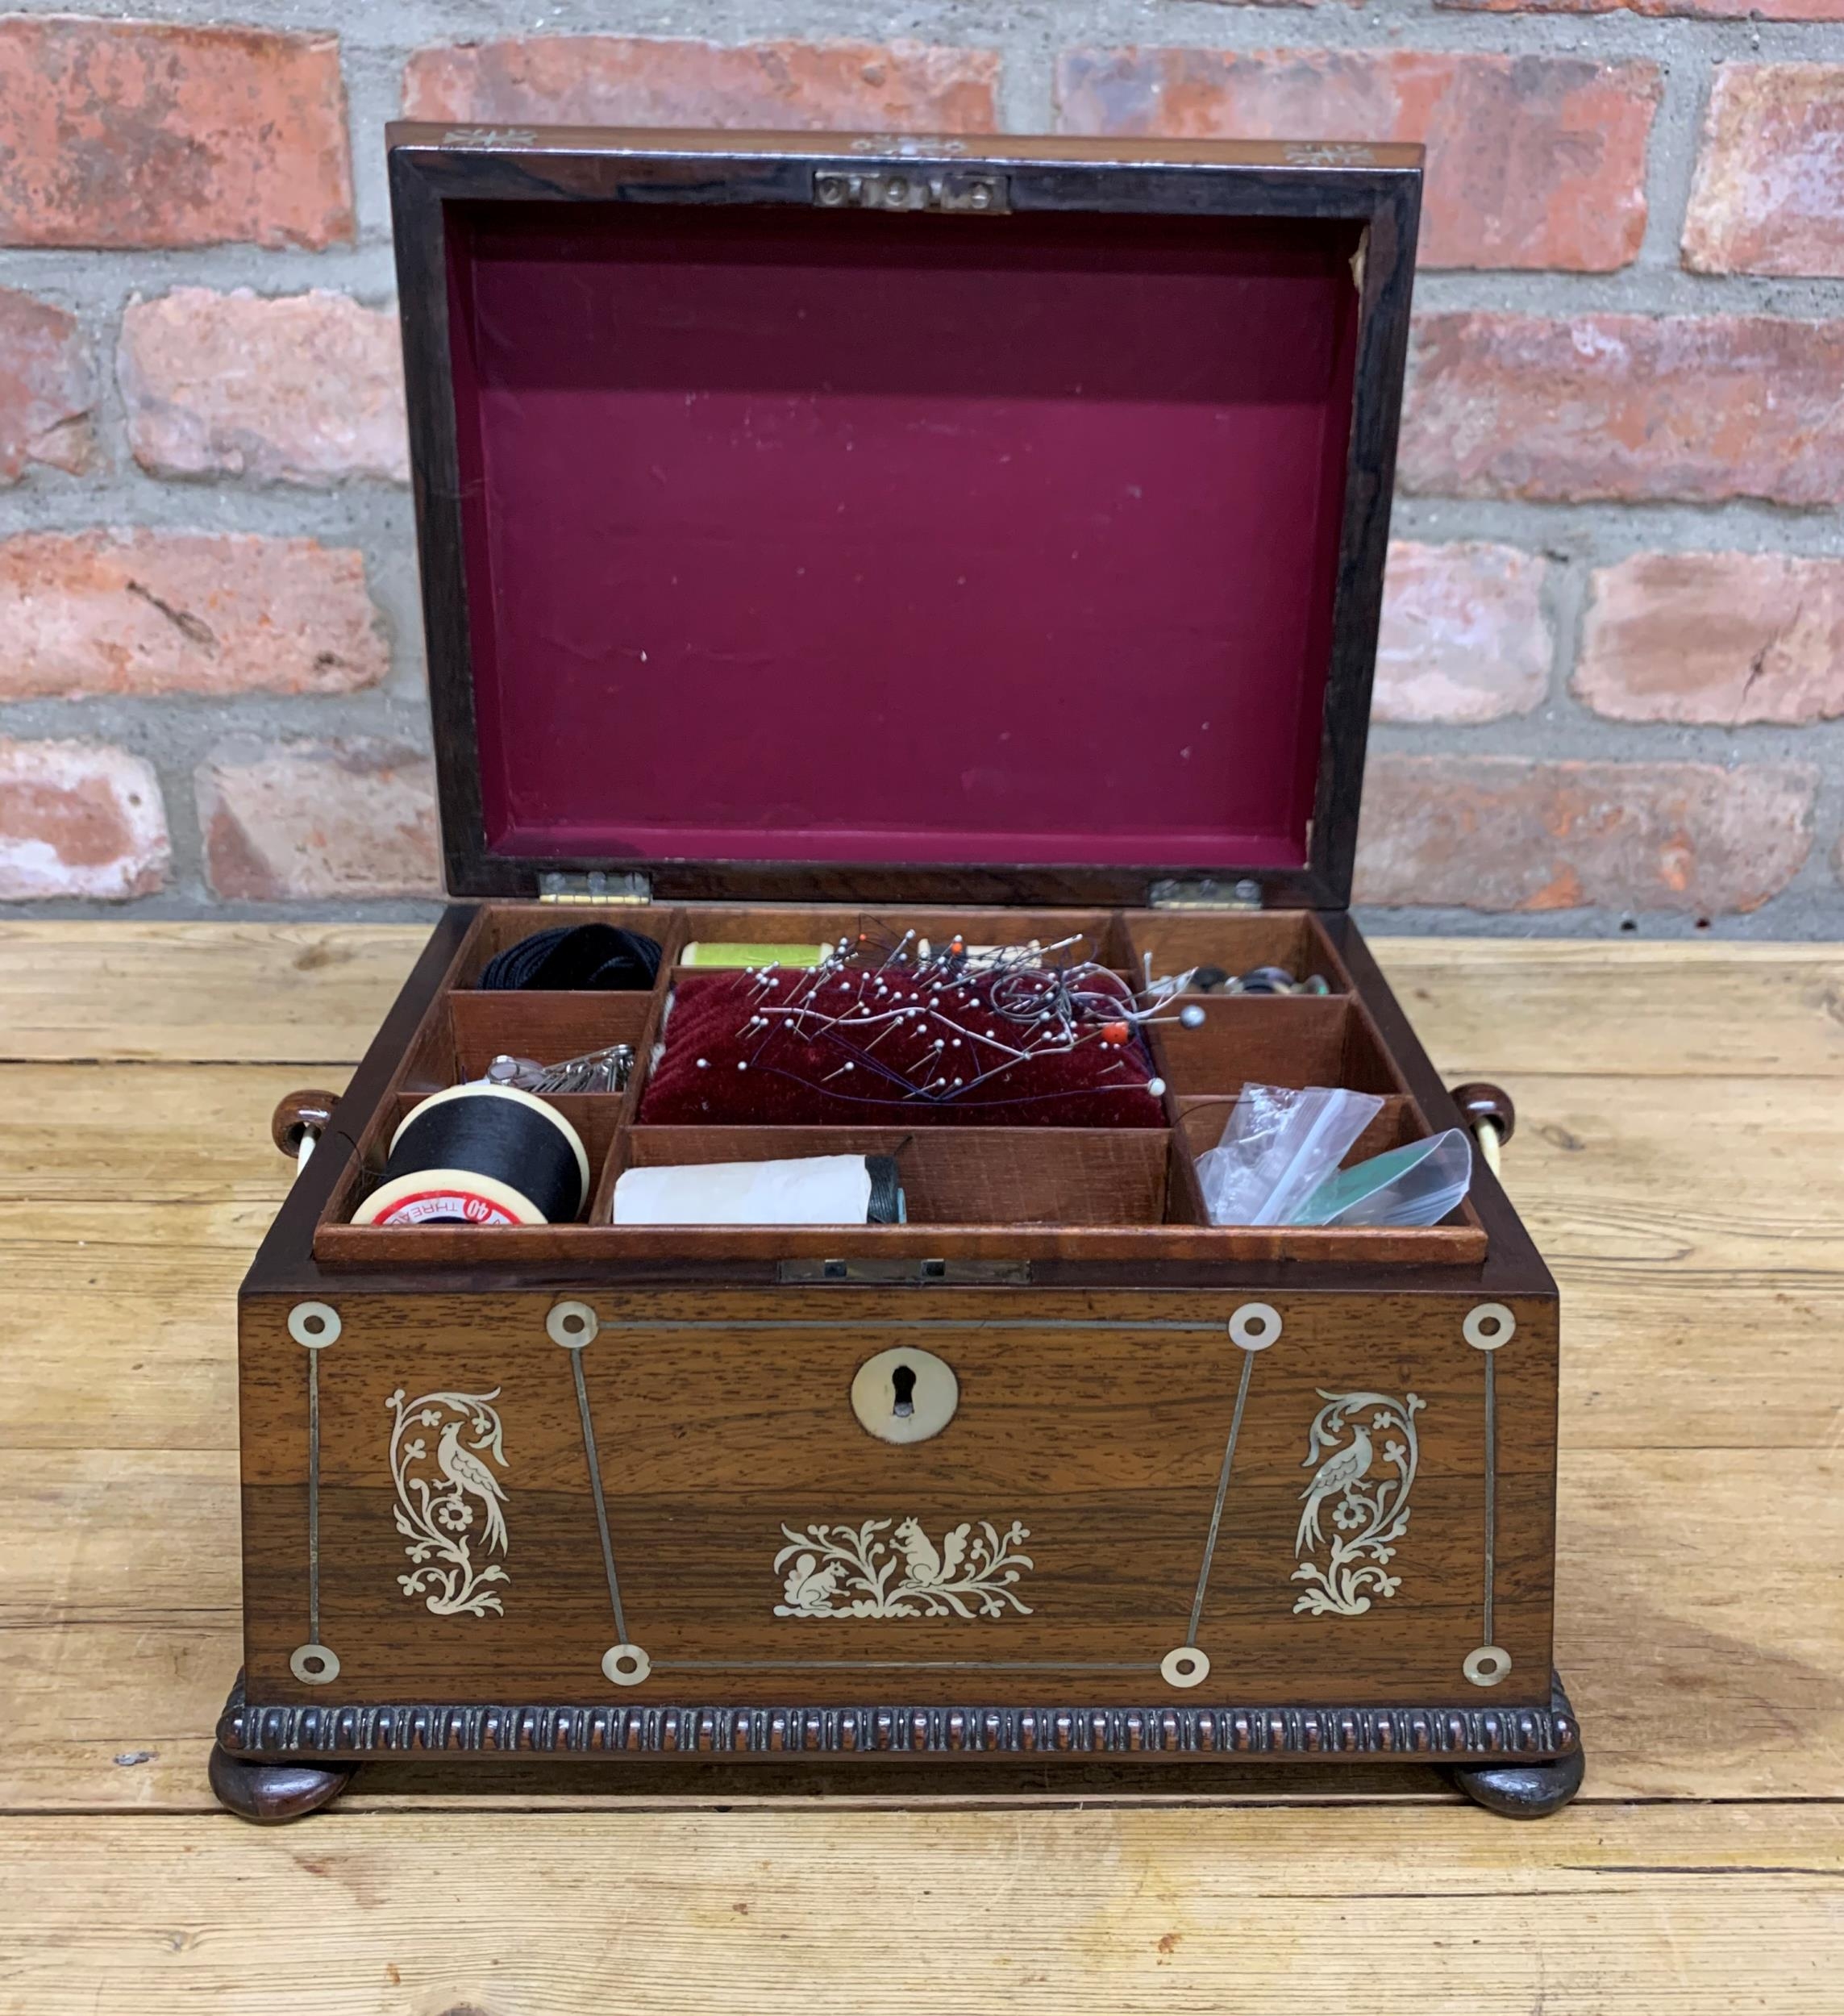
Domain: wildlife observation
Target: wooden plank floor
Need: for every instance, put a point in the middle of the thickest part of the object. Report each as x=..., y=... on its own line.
x=1679, y=1154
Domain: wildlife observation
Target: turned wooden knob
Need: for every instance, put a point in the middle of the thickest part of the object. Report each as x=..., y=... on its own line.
x=1481, y=1101
x=299, y=1114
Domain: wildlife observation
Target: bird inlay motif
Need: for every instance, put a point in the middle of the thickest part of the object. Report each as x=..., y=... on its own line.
x=1342, y=1468
x=1369, y=1512
x=450, y=1505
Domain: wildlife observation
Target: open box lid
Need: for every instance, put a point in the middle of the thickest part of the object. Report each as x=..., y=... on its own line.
x=833, y=519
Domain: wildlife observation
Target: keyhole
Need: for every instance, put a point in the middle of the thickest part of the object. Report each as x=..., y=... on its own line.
x=906, y=1394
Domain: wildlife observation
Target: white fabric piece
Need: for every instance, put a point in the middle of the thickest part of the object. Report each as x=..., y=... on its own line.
x=814, y=1190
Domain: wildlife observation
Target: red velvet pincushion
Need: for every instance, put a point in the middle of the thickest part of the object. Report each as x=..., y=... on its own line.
x=734, y=1055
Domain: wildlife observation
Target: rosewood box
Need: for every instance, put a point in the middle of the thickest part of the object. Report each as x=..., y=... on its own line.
x=822, y=534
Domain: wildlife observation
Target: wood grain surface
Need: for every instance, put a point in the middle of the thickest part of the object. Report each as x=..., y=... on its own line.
x=934, y=1913
x=723, y=1429
x=1677, y=1152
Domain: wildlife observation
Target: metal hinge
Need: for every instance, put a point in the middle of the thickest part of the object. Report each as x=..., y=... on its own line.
x=594, y=887
x=1206, y=894
x=906, y=1274
x=979, y=193
x=497, y=137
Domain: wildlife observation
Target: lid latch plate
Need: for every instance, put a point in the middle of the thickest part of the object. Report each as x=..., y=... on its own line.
x=905, y=1273
x=1206, y=894
x=977, y=192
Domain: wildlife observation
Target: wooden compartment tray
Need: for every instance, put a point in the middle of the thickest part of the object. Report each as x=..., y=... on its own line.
x=1005, y=1193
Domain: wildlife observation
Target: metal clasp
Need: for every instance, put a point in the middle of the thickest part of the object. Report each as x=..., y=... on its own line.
x=977, y=191
x=1206, y=894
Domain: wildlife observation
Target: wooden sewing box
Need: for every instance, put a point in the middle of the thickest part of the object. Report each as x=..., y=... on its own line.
x=972, y=535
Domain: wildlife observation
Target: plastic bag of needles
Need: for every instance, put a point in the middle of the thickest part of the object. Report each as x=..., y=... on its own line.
x=1280, y=1144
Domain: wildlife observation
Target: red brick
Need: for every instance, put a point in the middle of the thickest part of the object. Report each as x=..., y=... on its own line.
x=47, y=388
x=144, y=612
x=307, y=389
x=1464, y=637
x=1768, y=197
x=79, y=819
x=1500, y=833
x=1715, y=638
x=123, y=133
x=1693, y=9
x=318, y=820
x=1629, y=408
x=589, y=80
x=1533, y=161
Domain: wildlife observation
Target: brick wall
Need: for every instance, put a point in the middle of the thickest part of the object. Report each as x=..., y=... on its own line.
x=1613, y=659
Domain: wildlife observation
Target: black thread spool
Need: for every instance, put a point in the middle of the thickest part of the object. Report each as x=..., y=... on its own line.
x=480, y=1154
x=887, y=1205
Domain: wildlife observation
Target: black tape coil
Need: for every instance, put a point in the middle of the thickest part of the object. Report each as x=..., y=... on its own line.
x=513, y=1140
x=592, y=957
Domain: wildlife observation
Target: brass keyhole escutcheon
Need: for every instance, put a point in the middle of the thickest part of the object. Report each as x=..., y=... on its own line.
x=905, y=1395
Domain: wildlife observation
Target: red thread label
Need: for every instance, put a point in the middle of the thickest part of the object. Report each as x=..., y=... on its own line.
x=467, y=1205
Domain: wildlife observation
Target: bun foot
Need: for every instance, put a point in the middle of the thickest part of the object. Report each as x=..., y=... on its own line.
x=1528, y=1791
x=269, y=1793
x=1522, y=1792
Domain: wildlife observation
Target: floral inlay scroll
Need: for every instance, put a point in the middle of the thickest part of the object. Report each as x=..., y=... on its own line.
x=845, y=1570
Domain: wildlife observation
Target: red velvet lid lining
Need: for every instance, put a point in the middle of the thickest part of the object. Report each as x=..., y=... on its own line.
x=799, y=535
